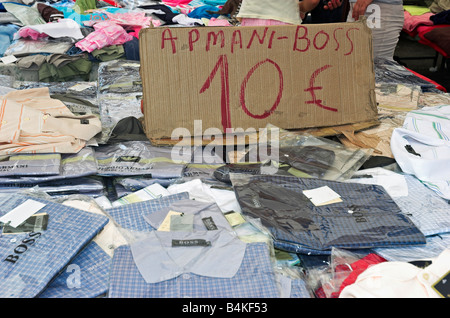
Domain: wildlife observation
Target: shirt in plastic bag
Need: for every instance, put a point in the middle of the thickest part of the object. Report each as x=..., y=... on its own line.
x=435, y=245
x=429, y=212
x=227, y=268
x=138, y=158
x=31, y=164
x=81, y=164
x=85, y=277
x=22, y=47
x=366, y=216
x=119, y=93
x=132, y=216
x=389, y=71
x=31, y=260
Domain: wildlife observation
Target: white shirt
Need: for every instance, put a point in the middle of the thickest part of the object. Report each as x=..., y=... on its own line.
x=399, y=280
x=287, y=11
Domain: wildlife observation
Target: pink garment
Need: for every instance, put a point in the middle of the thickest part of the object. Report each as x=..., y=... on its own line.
x=129, y=19
x=30, y=33
x=260, y=22
x=218, y=22
x=180, y=5
x=105, y=34
x=175, y=3
x=414, y=21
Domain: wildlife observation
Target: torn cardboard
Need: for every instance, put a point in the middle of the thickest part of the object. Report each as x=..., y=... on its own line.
x=243, y=78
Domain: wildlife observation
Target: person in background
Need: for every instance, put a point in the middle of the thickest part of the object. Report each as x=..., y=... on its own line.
x=270, y=12
x=385, y=18
x=323, y=11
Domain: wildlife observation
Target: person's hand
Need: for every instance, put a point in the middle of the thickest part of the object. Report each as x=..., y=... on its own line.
x=332, y=4
x=360, y=8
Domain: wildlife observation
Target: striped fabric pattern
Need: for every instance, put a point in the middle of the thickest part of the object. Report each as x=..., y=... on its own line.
x=33, y=122
x=431, y=121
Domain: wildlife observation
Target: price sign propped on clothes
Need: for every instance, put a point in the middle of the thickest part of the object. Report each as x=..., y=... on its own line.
x=240, y=78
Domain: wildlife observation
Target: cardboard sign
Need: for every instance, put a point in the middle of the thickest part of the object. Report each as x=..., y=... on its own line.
x=204, y=79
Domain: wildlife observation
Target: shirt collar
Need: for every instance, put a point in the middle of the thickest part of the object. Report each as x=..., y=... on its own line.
x=158, y=261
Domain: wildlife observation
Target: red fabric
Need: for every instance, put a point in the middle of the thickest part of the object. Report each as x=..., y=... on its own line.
x=319, y=293
x=438, y=86
x=422, y=30
x=357, y=268
x=441, y=38
x=113, y=3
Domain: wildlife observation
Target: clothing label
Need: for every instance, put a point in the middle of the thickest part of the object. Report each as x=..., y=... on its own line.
x=8, y=59
x=182, y=222
x=209, y=223
x=128, y=159
x=151, y=192
x=322, y=196
x=189, y=243
x=35, y=223
x=165, y=225
x=21, y=213
x=442, y=286
x=234, y=218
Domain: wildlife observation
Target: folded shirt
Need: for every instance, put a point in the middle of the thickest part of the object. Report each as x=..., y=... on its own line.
x=31, y=260
x=362, y=216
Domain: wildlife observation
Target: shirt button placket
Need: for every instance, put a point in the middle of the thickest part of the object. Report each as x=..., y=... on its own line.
x=184, y=282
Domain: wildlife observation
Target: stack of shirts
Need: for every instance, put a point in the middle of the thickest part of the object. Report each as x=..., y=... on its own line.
x=119, y=93
x=31, y=260
x=311, y=215
x=185, y=248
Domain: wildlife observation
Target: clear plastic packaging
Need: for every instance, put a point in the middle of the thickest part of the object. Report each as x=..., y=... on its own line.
x=119, y=93
x=361, y=216
x=23, y=47
x=81, y=164
x=389, y=71
x=343, y=270
x=138, y=158
x=69, y=230
x=31, y=165
x=310, y=156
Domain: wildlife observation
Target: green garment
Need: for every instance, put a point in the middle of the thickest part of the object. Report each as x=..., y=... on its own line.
x=109, y=53
x=27, y=15
x=81, y=6
x=416, y=10
x=77, y=68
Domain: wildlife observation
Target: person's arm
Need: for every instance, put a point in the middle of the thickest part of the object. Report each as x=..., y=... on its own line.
x=360, y=8
x=333, y=4
x=306, y=6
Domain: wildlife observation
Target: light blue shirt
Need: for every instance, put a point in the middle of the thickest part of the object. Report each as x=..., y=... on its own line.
x=227, y=268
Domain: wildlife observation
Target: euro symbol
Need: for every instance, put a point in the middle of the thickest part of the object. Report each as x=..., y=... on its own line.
x=311, y=89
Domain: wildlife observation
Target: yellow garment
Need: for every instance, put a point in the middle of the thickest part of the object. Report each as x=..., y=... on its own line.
x=287, y=11
x=33, y=122
x=416, y=10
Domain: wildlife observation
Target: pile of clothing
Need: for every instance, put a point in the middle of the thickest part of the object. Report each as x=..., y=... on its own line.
x=90, y=207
